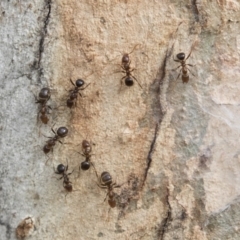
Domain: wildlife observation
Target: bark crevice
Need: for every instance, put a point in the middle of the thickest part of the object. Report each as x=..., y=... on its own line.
x=195, y=10
x=165, y=222
x=158, y=108
x=48, y=9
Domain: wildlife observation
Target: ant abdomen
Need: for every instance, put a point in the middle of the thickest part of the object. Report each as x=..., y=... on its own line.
x=62, y=132
x=61, y=168
x=106, y=178
x=181, y=56
x=128, y=81
x=85, y=165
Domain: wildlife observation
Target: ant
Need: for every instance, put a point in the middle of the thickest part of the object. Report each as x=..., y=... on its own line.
x=61, y=169
x=86, y=148
x=61, y=133
x=181, y=59
x=125, y=65
x=73, y=94
x=106, y=182
x=43, y=96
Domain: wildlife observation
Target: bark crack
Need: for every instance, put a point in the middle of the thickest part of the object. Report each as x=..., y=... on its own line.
x=48, y=9
x=195, y=10
x=165, y=222
x=149, y=157
x=159, y=81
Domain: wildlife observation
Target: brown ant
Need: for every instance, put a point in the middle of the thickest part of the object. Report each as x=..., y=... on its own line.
x=61, y=133
x=125, y=65
x=181, y=59
x=73, y=93
x=43, y=96
x=106, y=182
x=61, y=169
x=86, y=148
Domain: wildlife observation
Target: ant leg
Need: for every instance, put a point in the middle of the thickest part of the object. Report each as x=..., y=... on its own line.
x=57, y=173
x=101, y=186
x=191, y=65
x=79, y=172
x=121, y=83
x=36, y=99
x=66, y=166
x=66, y=197
x=137, y=81
x=85, y=87
x=190, y=72
x=81, y=154
x=114, y=185
x=122, y=78
x=55, y=170
x=45, y=136
x=174, y=69
x=93, y=167
x=192, y=47
x=39, y=132
x=106, y=197
x=115, y=72
x=52, y=129
x=72, y=82
x=134, y=47
x=176, y=60
x=96, y=173
x=70, y=173
x=189, y=53
x=47, y=160
x=179, y=75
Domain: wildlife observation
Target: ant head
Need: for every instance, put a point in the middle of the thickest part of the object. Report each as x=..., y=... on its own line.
x=85, y=165
x=61, y=168
x=79, y=83
x=85, y=144
x=44, y=93
x=181, y=56
x=62, y=132
x=125, y=58
x=128, y=81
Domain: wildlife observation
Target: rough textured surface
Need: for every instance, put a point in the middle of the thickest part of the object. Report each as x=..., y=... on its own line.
x=173, y=145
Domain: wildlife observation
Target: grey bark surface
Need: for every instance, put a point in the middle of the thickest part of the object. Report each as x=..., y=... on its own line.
x=174, y=147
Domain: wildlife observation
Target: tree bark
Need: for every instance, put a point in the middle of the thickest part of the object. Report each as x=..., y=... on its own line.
x=172, y=146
